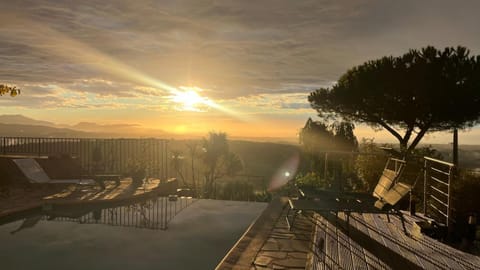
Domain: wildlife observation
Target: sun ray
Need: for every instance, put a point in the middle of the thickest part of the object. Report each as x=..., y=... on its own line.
x=69, y=48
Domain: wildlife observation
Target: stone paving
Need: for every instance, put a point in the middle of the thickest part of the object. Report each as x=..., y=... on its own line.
x=284, y=248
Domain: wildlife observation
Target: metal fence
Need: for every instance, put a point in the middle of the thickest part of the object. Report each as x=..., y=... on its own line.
x=108, y=156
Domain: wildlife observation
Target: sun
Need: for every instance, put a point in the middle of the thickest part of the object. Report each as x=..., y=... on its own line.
x=190, y=100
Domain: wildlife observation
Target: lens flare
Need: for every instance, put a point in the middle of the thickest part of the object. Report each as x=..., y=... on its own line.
x=285, y=173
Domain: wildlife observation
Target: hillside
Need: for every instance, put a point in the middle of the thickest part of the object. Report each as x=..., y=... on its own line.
x=468, y=155
x=262, y=158
x=19, y=119
x=18, y=130
x=19, y=125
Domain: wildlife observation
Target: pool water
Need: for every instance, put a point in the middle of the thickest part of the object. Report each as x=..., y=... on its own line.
x=197, y=237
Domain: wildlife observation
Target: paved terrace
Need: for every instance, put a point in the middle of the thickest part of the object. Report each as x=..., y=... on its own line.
x=269, y=244
x=340, y=240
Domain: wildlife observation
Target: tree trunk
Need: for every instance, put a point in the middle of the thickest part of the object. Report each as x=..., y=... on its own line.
x=404, y=148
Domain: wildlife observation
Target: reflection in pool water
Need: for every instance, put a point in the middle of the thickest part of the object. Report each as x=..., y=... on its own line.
x=148, y=213
x=126, y=236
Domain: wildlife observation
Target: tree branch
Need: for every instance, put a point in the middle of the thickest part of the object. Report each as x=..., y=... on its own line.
x=390, y=129
x=408, y=134
x=419, y=136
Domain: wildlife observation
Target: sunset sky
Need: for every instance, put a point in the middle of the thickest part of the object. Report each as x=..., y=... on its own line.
x=189, y=67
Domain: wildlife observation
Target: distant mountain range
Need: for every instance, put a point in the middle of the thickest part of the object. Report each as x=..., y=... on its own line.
x=19, y=125
x=13, y=130
x=19, y=119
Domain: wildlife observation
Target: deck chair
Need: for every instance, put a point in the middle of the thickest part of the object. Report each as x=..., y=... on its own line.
x=392, y=171
x=384, y=192
x=35, y=173
x=393, y=196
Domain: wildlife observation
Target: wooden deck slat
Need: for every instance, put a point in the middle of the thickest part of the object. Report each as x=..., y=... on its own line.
x=371, y=259
x=345, y=251
x=373, y=234
x=393, y=227
x=334, y=229
x=448, y=256
x=407, y=250
x=357, y=253
x=370, y=241
x=319, y=247
x=452, y=257
x=381, y=223
x=331, y=247
x=425, y=253
x=368, y=261
x=415, y=252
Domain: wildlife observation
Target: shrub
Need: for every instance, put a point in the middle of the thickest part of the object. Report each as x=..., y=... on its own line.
x=312, y=180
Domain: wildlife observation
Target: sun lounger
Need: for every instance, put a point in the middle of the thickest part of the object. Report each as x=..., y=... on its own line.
x=391, y=172
x=384, y=192
x=394, y=195
x=35, y=173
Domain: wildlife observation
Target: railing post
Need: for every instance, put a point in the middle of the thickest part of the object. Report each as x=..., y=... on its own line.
x=425, y=176
x=325, y=168
x=451, y=176
x=166, y=160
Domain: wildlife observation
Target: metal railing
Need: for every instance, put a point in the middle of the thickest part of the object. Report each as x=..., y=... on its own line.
x=437, y=196
x=96, y=155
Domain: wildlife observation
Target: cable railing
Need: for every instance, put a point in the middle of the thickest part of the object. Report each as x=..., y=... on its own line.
x=437, y=190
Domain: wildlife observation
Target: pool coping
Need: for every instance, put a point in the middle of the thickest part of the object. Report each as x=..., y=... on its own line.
x=245, y=250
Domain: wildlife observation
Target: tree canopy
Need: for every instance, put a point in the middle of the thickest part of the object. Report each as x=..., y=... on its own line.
x=421, y=91
x=9, y=90
x=320, y=136
x=219, y=160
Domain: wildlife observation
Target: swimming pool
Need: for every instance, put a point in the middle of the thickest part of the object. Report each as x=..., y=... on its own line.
x=197, y=237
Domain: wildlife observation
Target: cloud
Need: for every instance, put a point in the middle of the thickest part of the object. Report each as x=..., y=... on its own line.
x=85, y=54
x=271, y=103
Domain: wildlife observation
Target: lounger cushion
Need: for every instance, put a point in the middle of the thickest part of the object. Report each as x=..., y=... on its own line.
x=394, y=195
x=35, y=173
x=32, y=170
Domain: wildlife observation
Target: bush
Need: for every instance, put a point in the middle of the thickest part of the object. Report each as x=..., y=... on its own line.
x=312, y=180
x=237, y=190
x=465, y=192
x=370, y=164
